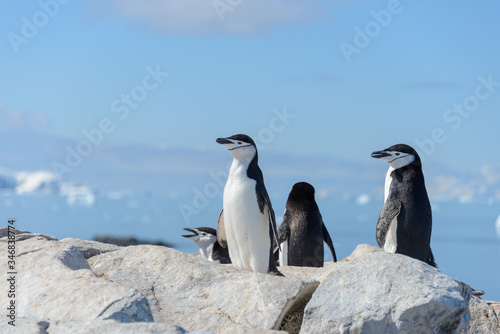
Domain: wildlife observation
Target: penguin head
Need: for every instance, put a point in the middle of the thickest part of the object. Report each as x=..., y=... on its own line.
x=202, y=236
x=398, y=156
x=302, y=190
x=240, y=146
x=301, y=197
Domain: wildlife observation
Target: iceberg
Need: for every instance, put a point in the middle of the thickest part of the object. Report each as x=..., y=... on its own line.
x=39, y=181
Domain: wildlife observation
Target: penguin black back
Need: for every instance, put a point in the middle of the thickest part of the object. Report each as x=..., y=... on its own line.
x=303, y=229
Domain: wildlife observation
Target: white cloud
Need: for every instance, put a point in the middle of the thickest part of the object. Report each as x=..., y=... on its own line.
x=204, y=17
x=491, y=174
x=363, y=199
x=20, y=120
x=450, y=187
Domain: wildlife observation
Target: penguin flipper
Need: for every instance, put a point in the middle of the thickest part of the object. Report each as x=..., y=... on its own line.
x=263, y=198
x=328, y=241
x=284, y=235
x=284, y=229
x=390, y=210
x=221, y=231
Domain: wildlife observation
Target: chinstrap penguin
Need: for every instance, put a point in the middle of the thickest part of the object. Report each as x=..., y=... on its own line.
x=247, y=224
x=206, y=239
x=405, y=222
x=302, y=231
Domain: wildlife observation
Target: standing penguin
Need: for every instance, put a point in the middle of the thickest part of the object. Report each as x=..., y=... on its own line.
x=302, y=230
x=405, y=222
x=247, y=224
x=206, y=239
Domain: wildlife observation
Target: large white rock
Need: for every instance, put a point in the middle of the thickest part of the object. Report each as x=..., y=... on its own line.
x=24, y=326
x=97, y=326
x=113, y=327
x=368, y=292
x=195, y=294
x=55, y=282
x=387, y=293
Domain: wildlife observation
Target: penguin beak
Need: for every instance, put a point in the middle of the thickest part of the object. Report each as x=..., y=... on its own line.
x=191, y=236
x=223, y=141
x=380, y=154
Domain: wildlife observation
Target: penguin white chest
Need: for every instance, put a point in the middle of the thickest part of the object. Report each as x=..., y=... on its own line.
x=391, y=242
x=206, y=252
x=246, y=227
x=388, y=181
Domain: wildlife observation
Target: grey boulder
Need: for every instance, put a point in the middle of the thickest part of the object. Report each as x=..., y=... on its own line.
x=388, y=293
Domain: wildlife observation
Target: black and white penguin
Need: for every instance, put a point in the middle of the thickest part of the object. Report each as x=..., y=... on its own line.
x=206, y=239
x=405, y=222
x=247, y=223
x=302, y=231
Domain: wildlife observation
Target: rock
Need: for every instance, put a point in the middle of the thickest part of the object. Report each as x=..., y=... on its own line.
x=361, y=250
x=495, y=306
x=32, y=326
x=24, y=326
x=55, y=282
x=113, y=327
x=58, y=291
x=387, y=293
x=199, y=295
x=128, y=241
x=89, y=248
x=23, y=235
x=482, y=318
x=301, y=272
x=4, y=232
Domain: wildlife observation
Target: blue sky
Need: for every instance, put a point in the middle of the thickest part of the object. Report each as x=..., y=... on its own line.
x=233, y=75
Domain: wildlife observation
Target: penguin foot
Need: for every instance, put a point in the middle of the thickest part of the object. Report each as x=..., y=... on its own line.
x=275, y=272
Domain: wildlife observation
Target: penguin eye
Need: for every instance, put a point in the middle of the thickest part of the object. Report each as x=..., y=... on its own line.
x=398, y=153
x=239, y=143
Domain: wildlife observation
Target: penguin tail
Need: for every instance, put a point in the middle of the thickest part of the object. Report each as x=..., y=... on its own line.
x=431, y=261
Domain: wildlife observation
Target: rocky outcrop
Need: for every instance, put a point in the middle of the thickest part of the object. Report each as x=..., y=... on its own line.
x=482, y=318
x=55, y=282
x=495, y=306
x=79, y=286
x=183, y=289
x=32, y=326
x=391, y=293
